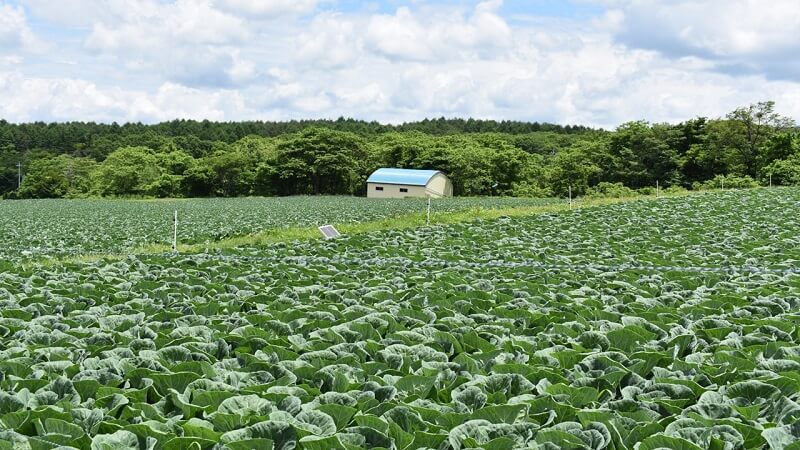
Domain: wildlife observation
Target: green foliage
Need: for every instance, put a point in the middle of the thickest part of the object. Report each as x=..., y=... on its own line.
x=478, y=165
x=58, y=176
x=785, y=172
x=463, y=336
x=321, y=161
x=611, y=190
x=675, y=190
x=574, y=169
x=757, y=124
x=128, y=171
x=482, y=158
x=784, y=152
x=727, y=182
x=642, y=154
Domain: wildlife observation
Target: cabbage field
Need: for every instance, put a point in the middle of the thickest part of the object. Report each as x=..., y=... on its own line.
x=59, y=228
x=657, y=324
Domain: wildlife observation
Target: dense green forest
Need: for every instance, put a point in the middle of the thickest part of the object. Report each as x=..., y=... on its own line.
x=182, y=158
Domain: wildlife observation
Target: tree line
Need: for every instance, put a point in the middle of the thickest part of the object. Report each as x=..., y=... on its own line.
x=748, y=146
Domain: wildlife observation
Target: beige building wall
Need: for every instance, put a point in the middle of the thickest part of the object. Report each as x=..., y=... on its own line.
x=440, y=186
x=393, y=191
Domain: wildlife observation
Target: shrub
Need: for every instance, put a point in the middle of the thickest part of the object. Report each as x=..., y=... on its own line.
x=647, y=190
x=609, y=190
x=526, y=189
x=675, y=189
x=785, y=172
x=727, y=182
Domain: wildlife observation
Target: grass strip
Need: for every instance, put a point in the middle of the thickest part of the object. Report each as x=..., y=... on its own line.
x=405, y=221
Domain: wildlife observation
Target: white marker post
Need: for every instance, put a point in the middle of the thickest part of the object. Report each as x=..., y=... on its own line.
x=570, y=196
x=723, y=184
x=175, y=233
x=656, y=188
x=428, y=217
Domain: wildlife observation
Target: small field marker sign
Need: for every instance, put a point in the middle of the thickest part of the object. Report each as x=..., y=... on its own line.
x=329, y=232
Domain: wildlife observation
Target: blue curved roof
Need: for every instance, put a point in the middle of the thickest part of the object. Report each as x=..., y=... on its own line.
x=411, y=177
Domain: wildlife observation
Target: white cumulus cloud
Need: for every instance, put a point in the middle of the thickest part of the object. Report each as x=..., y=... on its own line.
x=15, y=33
x=740, y=35
x=268, y=8
x=151, y=60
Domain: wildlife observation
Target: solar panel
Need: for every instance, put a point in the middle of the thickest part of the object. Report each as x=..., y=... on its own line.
x=329, y=232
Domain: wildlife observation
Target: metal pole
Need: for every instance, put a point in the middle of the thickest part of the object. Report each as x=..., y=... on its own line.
x=175, y=233
x=570, y=196
x=656, y=188
x=428, y=217
x=19, y=175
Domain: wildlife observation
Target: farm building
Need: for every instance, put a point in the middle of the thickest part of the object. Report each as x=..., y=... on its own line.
x=401, y=183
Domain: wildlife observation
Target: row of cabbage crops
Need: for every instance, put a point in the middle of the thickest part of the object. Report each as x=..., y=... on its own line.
x=42, y=228
x=586, y=329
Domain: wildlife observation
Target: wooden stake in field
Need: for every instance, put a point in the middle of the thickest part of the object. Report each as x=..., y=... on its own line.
x=428, y=216
x=175, y=233
x=570, y=196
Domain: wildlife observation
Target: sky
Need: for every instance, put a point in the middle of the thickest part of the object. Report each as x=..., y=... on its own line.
x=590, y=62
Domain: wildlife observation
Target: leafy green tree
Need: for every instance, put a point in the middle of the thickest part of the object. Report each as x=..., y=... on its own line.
x=756, y=123
x=402, y=149
x=784, y=155
x=321, y=161
x=532, y=180
x=509, y=166
x=693, y=166
x=548, y=143
x=643, y=154
x=9, y=157
x=58, y=176
x=203, y=158
x=470, y=169
x=262, y=154
x=200, y=179
x=232, y=173
x=127, y=171
x=193, y=145
x=785, y=172
x=572, y=168
x=780, y=145
x=714, y=154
